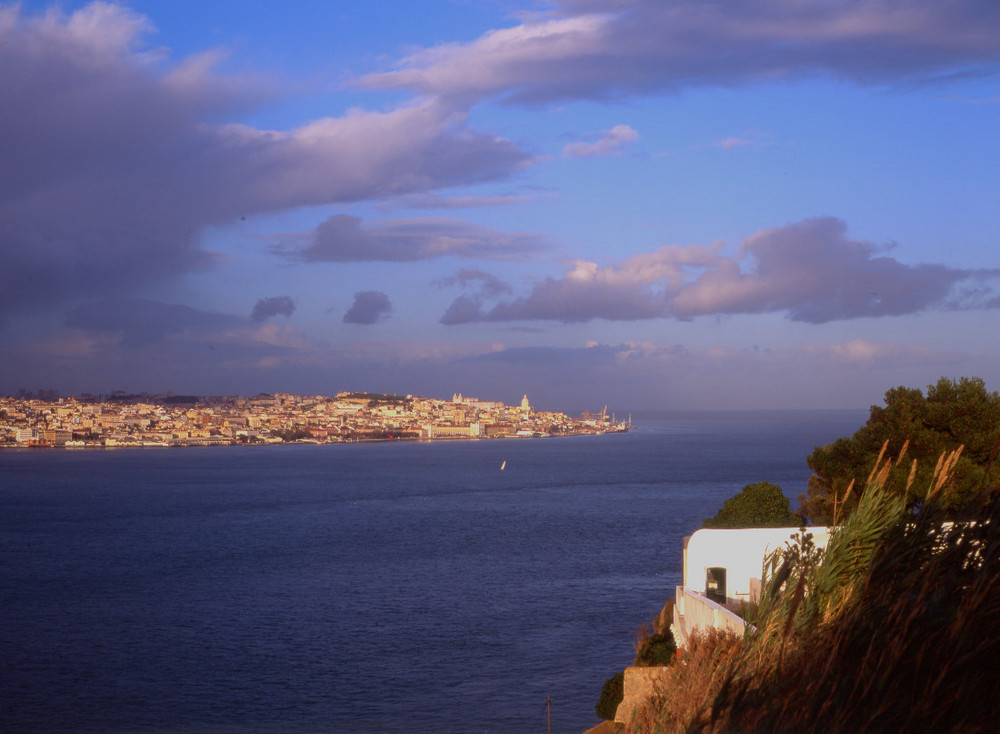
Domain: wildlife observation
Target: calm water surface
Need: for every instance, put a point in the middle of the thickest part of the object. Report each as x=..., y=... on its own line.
x=404, y=587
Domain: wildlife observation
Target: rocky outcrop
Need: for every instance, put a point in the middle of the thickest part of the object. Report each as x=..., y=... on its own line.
x=640, y=684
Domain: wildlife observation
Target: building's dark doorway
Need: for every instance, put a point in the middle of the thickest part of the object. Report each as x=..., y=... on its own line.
x=715, y=585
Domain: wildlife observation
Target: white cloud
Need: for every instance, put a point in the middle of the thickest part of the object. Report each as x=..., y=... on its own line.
x=607, y=48
x=735, y=142
x=610, y=142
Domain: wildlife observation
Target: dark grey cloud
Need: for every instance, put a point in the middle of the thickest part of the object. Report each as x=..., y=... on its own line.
x=144, y=345
x=809, y=270
x=369, y=307
x=343, y=238
x=138, y=321
x=812, y=271
x=573, y=301
x=115, y=162
x=265, y=308
x=480, y=286
x=596, y=49
x=482, y=282
x=463, y=310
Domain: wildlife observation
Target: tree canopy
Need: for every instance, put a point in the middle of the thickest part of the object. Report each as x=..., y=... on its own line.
x=760, y=505
x=953, y=414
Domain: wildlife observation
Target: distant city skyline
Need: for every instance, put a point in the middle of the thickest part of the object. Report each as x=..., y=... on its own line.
x=650, y=204
x=268, y=419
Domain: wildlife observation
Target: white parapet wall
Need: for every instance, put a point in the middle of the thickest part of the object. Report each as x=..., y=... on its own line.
x=694, y=612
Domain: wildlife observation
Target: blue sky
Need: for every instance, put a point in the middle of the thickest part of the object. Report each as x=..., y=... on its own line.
x=640, y=203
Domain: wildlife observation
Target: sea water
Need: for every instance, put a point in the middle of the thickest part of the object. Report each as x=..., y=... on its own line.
x=390, y=587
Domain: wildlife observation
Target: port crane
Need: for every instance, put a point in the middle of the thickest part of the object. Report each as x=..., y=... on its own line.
x=603, y=416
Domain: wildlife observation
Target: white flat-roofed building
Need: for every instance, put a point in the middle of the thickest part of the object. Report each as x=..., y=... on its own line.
x=722, y=568
x=740, y=554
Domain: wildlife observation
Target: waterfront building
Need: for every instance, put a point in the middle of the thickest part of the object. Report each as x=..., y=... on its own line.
x=722, y=569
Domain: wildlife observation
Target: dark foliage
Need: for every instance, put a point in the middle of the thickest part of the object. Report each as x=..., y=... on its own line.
x=760, y=505
x=292, y=434
x=952, y=414
x=612, y=693
x=658, y=648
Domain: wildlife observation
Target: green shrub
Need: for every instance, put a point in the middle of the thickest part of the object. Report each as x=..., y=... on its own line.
x=612, y=693
x=759, y=505
x=656, y=649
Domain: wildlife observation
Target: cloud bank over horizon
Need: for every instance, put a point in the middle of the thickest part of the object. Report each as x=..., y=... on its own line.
x=249, y=359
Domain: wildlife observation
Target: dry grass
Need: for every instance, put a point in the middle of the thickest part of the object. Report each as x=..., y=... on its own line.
x=916, y=652
x=689, y=685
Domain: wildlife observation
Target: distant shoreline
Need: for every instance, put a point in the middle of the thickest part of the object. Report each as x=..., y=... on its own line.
x=70, y=446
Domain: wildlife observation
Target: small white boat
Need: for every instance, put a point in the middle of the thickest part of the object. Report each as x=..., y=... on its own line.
x=503, y=465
